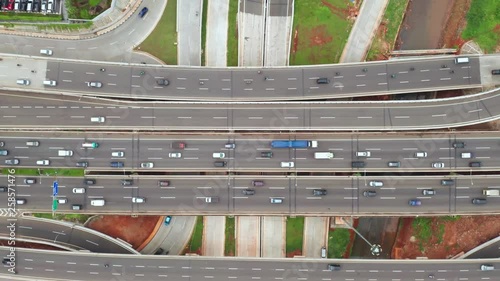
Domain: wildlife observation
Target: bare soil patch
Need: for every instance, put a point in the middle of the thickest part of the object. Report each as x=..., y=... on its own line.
x=133, y=230
x=455, y=237
x=450, y=36
x=294, y=253
x=319, y=36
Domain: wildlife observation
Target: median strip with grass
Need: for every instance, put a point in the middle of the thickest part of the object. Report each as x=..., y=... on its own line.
x=338, y=240
x=44, y=172
x=204, y=31
x=194, y=245
x=78, y=218
x=162, y=42
x=230, y=242
x=294, y=235
x=28, y=17
x=232, y=34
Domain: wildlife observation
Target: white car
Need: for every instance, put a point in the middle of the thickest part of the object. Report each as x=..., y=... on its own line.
x=78, y=190
x=148, y=165
x=117, y=154
x=174, y=155
x=43, y=162
x=363, y=153
x=438, y=165
x=376, y=183
x=62, y=200
x=218, y=155
x=138, y=200
x=94, y=84
x=287, y=164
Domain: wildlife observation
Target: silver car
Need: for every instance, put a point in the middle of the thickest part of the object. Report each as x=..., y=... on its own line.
x=94, y=84
x=438, y=165
x=13, y=161
x=376, y=183
x=174, y=155
x=147, y=165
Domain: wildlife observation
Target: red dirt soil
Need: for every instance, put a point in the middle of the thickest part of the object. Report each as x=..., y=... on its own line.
x=459, y=236
x=319, y=36
x=133, y=230
x=450, y=35
x=294, y=253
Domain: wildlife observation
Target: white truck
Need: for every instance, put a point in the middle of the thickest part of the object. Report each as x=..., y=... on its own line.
x=65, y=153
x=490, y=192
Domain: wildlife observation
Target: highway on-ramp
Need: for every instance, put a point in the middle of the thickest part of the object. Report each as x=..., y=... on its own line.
x=186, y=195
x=83, y=266
x=65, y=112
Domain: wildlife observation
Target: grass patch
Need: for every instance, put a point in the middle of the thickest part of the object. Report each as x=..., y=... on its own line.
x=204, y=15
x=31, y=17
x=162, y=42
x=194, y=245
x=294, y=234
x=450, y=218
x=232, y=34
x=482, y=24
x=78, y=218
x=65, y=27
x=322, y=34
x=78, y=9
x=423, y=227
x=230, y=242
x=393, y=18
x=338, y=240
x=50, y=171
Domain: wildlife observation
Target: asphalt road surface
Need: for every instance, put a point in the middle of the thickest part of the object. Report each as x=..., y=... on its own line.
x=245, y=84
x=83, y=266
x=66, y=234
x=49, y=112
x=186, y=195
x=198, y=154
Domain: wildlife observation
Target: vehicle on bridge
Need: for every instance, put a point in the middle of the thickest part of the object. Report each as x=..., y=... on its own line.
x=293, y=144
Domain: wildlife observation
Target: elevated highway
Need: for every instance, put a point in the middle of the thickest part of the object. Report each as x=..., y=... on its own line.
x=67, y=112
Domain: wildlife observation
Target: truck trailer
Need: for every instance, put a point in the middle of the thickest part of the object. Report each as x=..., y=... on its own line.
x=293, y=144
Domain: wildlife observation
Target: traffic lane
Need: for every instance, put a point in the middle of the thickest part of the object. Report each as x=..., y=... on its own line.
x=248, y=236
x=253, y=159
x=182, y=118
x=265, y=83
x=347, y=117
x=282, y=117
x=340, y=196
x=273, y=188
x=39, y=229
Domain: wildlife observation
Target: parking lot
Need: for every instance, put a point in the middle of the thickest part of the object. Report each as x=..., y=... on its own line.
x=34, y=6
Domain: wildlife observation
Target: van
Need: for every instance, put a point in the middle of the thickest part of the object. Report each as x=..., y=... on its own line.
x=46, y=52
x=460, y=60
x=76, y=207
x=466, y=155
x=491, y=192
x=420, y=154
x=97, y=202
x=218, y=155
x=358, y=164
x=97, y=119
x=65, y=153
x=24, y=82
x=323, y=155
x=323, y=80
x=90, y=145
x=51, y=83
x=32, y=143
x=323, y=252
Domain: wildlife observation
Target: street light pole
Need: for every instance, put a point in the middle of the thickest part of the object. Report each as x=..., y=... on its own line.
x=375, y=249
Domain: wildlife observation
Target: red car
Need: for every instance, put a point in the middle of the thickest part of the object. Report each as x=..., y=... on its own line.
x=10, y=6
x=178, y=145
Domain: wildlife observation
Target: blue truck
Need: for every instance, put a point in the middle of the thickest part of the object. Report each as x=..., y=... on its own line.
x=293, y=144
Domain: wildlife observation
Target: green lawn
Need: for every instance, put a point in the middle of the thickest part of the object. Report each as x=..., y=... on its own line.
x=44, y=171
x=322, y=33
x=161, y=43
x=232, y=34
x=230, y=242
x=483, y=20
x=338, y=240
x=393, y=18
x=32, y=17
x=79, y=218
x=194, y=245
x=204, y=31
x=294, y=234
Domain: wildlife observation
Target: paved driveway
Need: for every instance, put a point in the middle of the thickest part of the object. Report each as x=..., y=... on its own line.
x=251, y=23
x=273, y=237
x=189, y=32
x=216, y=44
x=279, y=22
x=173, y=237
x=315, y=236
x=247, y=236
x=213, y=235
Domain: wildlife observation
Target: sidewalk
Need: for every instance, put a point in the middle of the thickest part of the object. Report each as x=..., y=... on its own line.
x=363, y=31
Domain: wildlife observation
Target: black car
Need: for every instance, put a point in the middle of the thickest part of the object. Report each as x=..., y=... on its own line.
x=248, y=191
x=447, y=182
x=495, y=72
x=475, y=164
x=370, y=193
x=266, y=154
x=143, y=12
x=3, y=188
x=478, y=201
x=459, y=144
x=220, y=163
x=82, y=164
x=334, y=267
x=89, y=181
x=358, y=164
x=319, y=192
x=162, y=82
